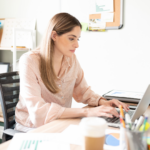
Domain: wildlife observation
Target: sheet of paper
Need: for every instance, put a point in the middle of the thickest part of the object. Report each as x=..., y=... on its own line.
x=107, y=17
x=38, y=141
x=104, y=6
x=73, y=135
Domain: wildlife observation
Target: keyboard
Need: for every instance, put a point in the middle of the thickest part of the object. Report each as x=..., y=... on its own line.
x=116, y=120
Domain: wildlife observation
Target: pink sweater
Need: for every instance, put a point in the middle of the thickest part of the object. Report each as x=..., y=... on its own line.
x=37, y=105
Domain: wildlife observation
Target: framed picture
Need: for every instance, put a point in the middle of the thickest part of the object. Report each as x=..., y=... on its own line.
x=4, y=67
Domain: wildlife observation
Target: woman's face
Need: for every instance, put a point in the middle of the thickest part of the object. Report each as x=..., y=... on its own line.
x=67, y=43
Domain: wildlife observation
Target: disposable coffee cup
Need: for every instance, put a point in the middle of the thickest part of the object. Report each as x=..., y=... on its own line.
x=93, y=133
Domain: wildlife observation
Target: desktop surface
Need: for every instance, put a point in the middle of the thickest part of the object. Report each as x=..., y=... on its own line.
x=57, y=126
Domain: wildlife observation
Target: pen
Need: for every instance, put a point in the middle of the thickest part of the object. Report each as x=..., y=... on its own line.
x=135, y=122
x=140, y=122
x=121, y=111
x=122, y=116
x=128, y=120
x=148, y=147
x=145, y=120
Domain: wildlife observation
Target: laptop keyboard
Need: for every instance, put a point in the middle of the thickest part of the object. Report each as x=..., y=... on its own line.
x=117, y=119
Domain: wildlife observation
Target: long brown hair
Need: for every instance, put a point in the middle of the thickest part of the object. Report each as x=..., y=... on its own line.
x=61, y=23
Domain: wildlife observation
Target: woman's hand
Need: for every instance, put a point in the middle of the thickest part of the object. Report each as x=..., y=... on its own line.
x=113, y=103
x=107, y=108
x=106, y=111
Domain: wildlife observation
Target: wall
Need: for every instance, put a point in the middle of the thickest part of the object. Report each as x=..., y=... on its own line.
x=115, y=59
x=120, y=58
x=41, y=10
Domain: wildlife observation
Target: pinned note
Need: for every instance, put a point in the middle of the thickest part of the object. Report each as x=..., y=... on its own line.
x=107, y=17
x=95, y=23
x=104, y=6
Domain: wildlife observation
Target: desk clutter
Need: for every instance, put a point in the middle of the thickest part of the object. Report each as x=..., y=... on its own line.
x=134, y=135
x=114, y=139
x=131, y=135
x=111, y=141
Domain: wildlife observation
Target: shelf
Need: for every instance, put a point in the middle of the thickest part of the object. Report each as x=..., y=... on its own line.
x=18, y=49
x=14, y=49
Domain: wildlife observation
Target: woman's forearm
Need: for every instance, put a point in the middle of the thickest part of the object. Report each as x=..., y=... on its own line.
x=74, y=113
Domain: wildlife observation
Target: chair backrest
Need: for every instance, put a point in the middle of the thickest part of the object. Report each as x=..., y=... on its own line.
x=9, y=96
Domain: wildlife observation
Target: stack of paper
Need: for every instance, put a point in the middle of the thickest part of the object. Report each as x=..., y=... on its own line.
x=124, y=95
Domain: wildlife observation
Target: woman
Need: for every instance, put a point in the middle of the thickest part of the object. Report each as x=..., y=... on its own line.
x=51, y=75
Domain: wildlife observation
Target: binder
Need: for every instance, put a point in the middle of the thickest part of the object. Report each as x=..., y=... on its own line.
x=126, y=96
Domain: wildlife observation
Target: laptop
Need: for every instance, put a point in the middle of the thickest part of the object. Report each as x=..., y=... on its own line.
x=134, y=114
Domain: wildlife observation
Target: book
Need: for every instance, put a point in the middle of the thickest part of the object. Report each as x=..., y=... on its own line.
x=127, y=96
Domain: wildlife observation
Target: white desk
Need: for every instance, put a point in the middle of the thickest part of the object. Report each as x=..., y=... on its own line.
x=57, y=126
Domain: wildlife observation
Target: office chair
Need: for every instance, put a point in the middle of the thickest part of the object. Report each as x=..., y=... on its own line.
x=9, y=96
